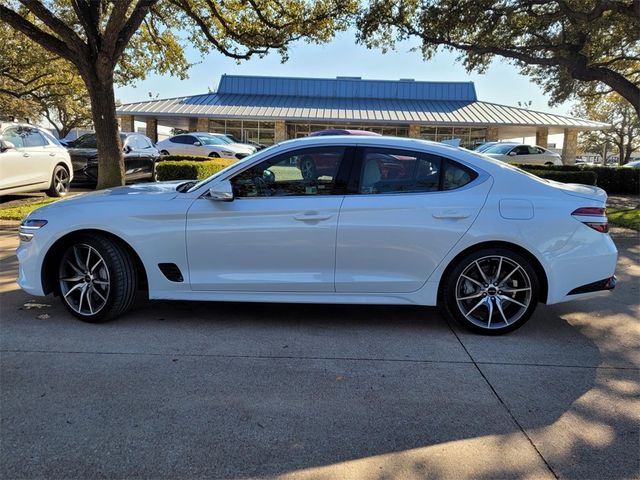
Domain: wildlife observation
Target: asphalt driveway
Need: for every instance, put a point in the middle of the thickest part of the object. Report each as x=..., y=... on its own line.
x=222, y=390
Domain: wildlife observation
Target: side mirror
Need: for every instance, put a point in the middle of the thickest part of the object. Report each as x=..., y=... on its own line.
x=268, y=176
x=4, y=146
x=197, y=144
x=512, y=154
x=221, y=191
x=127, y=149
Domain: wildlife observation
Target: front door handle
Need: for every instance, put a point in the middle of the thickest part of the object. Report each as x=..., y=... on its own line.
x=312, y=217
x=451, y=214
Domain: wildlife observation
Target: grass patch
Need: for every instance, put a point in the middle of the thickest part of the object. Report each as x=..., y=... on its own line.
x=625, y=218
x=18, y=212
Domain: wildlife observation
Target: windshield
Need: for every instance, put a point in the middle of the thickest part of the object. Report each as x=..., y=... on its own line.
x=225, y=170
x=212, y=140
x=483, y=147
x=499, y=148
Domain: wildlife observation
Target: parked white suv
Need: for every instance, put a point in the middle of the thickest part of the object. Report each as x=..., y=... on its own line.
x=204, y=144
x=32, y=160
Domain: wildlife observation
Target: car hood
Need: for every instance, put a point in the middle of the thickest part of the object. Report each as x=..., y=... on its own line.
x=159, y=191
x=83, y=152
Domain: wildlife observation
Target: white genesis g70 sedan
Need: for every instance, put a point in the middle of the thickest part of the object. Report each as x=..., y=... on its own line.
x=330, y=219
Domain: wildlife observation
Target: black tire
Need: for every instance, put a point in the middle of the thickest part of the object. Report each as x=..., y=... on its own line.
x=60, y=182
x=164, y=152
x=490, y=291
x=549, y=164
x=107, y=262
x=214, y=155
x=308, y=168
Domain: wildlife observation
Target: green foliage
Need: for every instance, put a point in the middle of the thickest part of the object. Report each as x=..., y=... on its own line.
x=611, y=179
x=35, y=84
x=189, y=169
x=625, y=218
x=18, y=212
x=624, y=134
x=562, y=44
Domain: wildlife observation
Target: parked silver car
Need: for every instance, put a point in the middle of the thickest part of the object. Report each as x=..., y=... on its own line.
x=521, y=153
x=32, y=160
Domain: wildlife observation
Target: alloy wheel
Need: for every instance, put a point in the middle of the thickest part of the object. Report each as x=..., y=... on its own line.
x=61, y=181
x=493, y=292
x=84, y=279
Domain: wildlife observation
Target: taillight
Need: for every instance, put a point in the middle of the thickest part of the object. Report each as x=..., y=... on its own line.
x=601, y=226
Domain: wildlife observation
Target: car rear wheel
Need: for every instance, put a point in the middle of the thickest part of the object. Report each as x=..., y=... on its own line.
x=96, y=279
x=214, y=155
x=491, y=291
x=164, y=152
x=549, y=164
x=60, y=181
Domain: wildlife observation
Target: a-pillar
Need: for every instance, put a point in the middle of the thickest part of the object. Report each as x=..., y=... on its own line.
x=127, y=124
x=492, y=134
x=542, y=137
x=569, y=146
x=203, y=124
x=280, y=133
x=414, y=130
x=152, y=129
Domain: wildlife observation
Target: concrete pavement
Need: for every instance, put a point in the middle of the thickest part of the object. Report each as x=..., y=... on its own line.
x=222, y=390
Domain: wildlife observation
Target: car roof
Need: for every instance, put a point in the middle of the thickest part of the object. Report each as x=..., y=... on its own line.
x=342, y=131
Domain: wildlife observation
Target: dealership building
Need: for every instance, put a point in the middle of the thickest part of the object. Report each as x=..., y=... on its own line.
x=271, y=109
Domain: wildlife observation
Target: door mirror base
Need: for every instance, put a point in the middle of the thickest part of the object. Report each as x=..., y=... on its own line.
x=221, y=191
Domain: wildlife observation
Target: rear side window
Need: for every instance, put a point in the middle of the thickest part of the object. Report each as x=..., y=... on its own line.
x=182, y=139
x=398, y=171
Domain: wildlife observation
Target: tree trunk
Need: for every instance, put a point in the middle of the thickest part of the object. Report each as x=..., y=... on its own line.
x=103, y=110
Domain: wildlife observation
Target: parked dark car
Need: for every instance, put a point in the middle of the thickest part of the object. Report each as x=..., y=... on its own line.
x=235, y=139
x=140, y=157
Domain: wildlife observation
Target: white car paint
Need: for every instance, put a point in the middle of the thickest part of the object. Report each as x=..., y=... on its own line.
x=29, y=168
x=521, y=153
x=352, y=248
x=202, y=144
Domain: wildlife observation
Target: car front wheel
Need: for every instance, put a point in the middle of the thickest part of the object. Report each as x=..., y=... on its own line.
x=491, y=291
x=60, y=180
x=96, y=279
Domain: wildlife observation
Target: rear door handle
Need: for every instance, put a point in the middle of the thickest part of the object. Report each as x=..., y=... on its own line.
x=312, y=217
x=452, y=214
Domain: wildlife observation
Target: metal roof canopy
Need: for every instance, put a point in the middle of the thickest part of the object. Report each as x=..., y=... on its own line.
x=351, y=100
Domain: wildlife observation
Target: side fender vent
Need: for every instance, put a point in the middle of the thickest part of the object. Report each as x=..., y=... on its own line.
x=171, y=271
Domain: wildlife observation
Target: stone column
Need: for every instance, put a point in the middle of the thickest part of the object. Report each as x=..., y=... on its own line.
x=127, y=124
x=569, y=146
x=280, y=133
x=203, y=125
x=492, y=134
x=414, y=130
x=152, y=129
x=542, y=137
x=193, y=124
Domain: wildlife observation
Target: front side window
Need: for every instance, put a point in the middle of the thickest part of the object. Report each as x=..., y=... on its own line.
x=398, y=171
x=297, y=173
x=499, y=149
x=15, y=136
x=211, y=140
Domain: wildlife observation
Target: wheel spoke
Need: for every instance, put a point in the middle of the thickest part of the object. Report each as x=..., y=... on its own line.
x=509, y=299
x=504, y=280
x=490, y=308
x=86, y=263
x=73, y=279
x=472, y=280
x=499, y=305
x=475, y=306
x=484, y=277
x=73, y=289
x=497, y=277
x=101, y=282
x=89, y=290
x=96, y=264
x=515, y=290
x=95, y=290
x=76, y=254
x=82, y=294
x=469, y=297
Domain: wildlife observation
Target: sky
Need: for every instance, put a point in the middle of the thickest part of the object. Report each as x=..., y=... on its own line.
x=343, y=57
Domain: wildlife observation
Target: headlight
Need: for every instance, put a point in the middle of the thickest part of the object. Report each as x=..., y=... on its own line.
x=28, y=228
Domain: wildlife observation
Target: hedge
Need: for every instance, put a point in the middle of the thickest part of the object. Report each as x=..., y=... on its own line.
x=586, y=178
x=189, y=169
x=612, y=179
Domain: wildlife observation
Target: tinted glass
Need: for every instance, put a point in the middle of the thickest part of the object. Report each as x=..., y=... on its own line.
x=15, y=136
x=456, y=175
x=182, y=139
x=211, y=140
x=522, y=150
x=299, y=173
x=144, y=142
x=394, y=171
x=499, y=148
x=86, y=141
x=34, y=139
